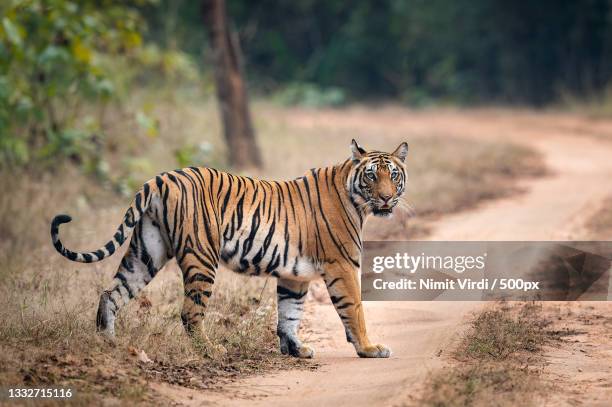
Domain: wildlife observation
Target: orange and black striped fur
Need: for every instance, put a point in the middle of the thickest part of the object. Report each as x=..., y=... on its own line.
x=293, y=230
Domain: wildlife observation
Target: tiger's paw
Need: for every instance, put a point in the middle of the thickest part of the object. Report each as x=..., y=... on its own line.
x=296, y=350
x=374, y=351
x=305, y=352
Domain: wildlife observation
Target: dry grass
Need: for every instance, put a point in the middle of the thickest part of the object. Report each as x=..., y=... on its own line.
x=47, y=304
x=498, y=361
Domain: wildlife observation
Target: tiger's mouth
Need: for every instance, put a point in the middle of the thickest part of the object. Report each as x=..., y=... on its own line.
x=382, y=211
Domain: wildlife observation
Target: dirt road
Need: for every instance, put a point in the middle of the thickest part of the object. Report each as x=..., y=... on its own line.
x=578, y=153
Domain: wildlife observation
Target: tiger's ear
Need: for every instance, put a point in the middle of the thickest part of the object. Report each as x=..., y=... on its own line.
x=401, y=152
x=357, y=152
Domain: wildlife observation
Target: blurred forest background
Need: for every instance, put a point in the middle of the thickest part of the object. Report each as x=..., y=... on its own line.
x=71, y=70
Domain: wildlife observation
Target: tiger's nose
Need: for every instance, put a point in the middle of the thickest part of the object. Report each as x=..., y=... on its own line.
x=386, y=197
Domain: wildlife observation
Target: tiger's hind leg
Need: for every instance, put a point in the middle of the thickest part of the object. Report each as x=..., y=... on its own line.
x=199, y=272
x=145, y=256
x=291, y=295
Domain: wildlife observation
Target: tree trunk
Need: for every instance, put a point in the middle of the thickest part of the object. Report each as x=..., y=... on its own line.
x=231, y=90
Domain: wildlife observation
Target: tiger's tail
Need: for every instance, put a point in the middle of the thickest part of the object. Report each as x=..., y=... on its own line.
x=139, y=206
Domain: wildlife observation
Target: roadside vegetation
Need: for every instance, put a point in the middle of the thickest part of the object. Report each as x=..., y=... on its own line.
x=497, y=361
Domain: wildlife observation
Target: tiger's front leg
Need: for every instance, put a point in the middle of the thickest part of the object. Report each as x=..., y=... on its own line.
x=291, y=295
x=345, y=293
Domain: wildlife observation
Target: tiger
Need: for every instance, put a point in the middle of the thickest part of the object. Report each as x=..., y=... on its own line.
x=296, y=231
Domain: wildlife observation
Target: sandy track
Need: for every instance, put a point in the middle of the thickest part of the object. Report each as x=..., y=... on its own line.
x=579, y=155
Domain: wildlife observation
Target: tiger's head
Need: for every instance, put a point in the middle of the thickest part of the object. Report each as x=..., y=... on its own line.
x=377, y=180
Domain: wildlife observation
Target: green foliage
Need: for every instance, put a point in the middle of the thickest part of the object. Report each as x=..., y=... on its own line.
x=193, y=155
x=147, y=123
x=309, y=95
x=51, y=54
x=62, y=64
x=170, y=64
x=457, y=51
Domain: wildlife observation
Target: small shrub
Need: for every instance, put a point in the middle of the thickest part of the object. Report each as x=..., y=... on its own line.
x=496, y=361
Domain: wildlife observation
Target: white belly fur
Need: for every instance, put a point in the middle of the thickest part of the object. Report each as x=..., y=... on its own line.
x=305, y=269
